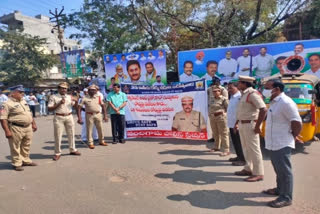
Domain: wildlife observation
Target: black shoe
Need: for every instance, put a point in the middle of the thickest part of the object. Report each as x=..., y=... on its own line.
x=122, y=141
x=114, y=142
x=279, y=204
x=18, y=168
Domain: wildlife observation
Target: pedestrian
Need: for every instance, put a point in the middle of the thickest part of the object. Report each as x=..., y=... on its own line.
x=83, y=117
x=251, y=112
x=117, y=101
x=93, y=104
x=231, y=121
x=62, y=104
x=42, y=102
x=283, y=126
x=32, y=101
x=18, y=125
x=218, y=120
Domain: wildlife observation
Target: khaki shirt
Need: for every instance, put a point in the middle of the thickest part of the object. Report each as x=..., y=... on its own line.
x=248, y=108
x=224, y=93
x=218, y=105
x=65, y=108
x=16, y=112
x=92, y=104
x=192, y=123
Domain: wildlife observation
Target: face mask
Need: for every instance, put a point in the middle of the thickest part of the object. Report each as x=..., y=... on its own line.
x=267, y=93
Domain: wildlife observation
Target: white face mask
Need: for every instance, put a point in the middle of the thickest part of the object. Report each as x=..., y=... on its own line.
x=267, y=93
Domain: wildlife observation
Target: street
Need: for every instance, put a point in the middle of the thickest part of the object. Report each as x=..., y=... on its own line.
x=145, y=176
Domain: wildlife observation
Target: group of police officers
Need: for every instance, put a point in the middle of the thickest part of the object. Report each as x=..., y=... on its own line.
x=18, y=124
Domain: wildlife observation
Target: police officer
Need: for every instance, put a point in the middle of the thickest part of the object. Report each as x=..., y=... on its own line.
x=218, y=121
x=18, y=125
x=188, y=120
x=251, y=112
x=62, y=104
x=93, y=104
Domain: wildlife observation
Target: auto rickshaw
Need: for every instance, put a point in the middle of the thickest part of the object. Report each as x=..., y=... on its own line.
x=304, y=89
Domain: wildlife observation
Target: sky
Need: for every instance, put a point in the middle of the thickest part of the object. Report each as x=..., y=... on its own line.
x=36, y=7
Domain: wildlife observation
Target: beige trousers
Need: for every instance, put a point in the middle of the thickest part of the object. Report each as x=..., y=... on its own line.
x=20, y=144
x=95, y=119
x=59, y=124
x=220, y=132
x=250, y=142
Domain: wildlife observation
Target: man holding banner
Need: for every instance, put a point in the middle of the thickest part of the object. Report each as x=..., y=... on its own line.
x=188, y=120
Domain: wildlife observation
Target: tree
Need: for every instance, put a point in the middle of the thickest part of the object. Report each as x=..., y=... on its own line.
x=23, y=60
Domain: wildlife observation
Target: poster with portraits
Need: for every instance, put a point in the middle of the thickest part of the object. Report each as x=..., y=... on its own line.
x=178, y=111
x=136, y=68
x=73, y=63
x=259, y=60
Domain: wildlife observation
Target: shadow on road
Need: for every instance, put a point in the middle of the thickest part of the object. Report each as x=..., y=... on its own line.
x=65, y=145
x=5, y=166
x=216, y=199
x=198, y=177
x=187, y=152
x=196, y=162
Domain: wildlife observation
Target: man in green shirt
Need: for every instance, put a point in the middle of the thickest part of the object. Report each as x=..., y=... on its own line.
x=117, y=101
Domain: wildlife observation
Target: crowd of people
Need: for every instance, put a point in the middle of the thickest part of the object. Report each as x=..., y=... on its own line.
x=238, y=111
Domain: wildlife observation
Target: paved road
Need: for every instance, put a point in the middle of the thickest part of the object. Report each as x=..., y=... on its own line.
x=145, y=177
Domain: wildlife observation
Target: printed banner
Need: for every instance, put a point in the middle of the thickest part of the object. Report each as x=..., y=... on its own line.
x=261, y=60
x=73, y=63
x=178, y=111
x=143, y=67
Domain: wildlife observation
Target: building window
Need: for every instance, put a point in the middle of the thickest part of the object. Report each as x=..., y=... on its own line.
x=52, y=52
x=65, y=48
x=52, y=31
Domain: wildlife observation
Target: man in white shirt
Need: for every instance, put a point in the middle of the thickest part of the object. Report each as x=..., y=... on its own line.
x=3, y=98
x=228, y=66
x=314, y=61
x=244, y=63
x=150, y=56
x=282, y=129
x=263, y=63
x=212, y=68
x=187, y=76
x=158, y=81
x=299, y=50
x=32, y=100
x=151, y=73
x=231, y=122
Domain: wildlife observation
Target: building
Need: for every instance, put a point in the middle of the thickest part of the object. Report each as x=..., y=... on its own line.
x=41, y=26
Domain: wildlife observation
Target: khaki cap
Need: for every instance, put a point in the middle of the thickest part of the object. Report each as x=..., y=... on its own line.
x=216, y=88
x=64, y=85
x=246, y=79
x=93, y=86
x=186, y=99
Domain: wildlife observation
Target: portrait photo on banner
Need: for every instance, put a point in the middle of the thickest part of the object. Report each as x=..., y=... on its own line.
x=259, y=61
x=137, y=67
x=73, y=63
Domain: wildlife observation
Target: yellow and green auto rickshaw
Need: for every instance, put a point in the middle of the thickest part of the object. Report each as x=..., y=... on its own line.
x=304, y=89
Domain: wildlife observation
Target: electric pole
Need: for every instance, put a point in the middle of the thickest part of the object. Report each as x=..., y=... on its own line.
x=56, y=17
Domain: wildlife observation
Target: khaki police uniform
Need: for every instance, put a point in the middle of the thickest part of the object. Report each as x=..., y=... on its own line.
x=93, y=116
x=63, y=119
x=19, y=118
x=218, y=122
x=247, y=115
x=189, y=123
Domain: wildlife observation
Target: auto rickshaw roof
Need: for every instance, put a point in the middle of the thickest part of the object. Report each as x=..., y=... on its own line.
x=314, y=80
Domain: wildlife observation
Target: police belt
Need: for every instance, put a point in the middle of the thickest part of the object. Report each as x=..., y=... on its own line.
x=218, y=113
x=64, y=115
x=83, y=109
x=247, y=121
x=92, y=113
x=20, y=125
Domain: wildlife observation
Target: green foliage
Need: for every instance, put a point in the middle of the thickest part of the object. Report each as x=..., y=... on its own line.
x=23, y=60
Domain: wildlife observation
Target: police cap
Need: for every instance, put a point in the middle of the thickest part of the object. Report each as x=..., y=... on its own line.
x=246, y=79
x=63, y=85
x=17, y=88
